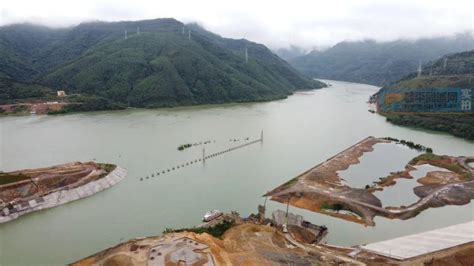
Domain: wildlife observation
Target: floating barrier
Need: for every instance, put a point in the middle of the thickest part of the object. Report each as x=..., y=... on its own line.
x=203, y=159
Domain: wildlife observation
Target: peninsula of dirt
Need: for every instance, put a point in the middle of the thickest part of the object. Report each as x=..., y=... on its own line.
x=29, y=190
x=322, y=190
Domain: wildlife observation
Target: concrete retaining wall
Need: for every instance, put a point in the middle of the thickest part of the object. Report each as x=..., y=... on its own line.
x=64, y=196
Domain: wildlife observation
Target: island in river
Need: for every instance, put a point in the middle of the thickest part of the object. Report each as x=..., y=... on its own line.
x=29, y=190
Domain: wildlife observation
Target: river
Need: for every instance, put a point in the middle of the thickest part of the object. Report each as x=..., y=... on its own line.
x=299, y=132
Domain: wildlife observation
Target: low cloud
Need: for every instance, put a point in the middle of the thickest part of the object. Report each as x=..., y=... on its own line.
x=277, y=24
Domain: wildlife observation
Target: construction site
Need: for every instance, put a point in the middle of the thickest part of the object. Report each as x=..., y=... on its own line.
x=321, y=189
x=285, y=239
x=29, y=190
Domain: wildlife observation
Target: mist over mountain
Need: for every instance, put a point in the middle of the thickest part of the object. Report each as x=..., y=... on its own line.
x=378, y=63
x=291, y=52
x=148, y=63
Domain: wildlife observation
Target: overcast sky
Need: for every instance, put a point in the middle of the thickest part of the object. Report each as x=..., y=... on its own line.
x=275, y=23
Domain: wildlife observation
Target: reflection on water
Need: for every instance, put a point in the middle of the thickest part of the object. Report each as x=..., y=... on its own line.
x=383, y=160
x=300, y=132
x=424, y=169
x=399, y=194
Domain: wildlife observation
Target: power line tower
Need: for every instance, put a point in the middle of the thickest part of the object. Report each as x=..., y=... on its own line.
x=126, y=34
x=419, y=69
x=189, y=35
x=246, y=55
x=138, y=30
x=445, y=63
x=183, y=30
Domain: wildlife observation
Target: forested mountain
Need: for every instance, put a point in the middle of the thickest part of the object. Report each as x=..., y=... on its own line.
x=451, y=71
x=378, y=63
x=160, y=62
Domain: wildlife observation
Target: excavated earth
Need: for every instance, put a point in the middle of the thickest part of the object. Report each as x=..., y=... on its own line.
x=245, y=244
x=320, y=188
x=35, y=182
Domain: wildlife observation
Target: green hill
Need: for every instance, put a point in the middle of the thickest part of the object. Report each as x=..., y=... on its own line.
x=160, y=66
x=378, y=63
x=451, y=71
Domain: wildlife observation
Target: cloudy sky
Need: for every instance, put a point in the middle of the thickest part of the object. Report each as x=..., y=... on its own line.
x=277, y=24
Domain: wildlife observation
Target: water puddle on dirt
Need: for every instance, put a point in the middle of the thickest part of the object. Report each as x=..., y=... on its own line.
x=424, y=169
x=385, y=159
x=399, y=194
x=402, y=192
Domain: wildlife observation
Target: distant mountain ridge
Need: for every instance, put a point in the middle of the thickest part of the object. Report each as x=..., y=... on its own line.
x=378, y=63
x=160, y=62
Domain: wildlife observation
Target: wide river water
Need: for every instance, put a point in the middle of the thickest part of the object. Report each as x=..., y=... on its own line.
x=299, y=132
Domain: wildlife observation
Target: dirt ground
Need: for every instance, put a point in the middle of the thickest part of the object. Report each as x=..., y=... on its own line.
x=39, y=108
x=250, y=244
x=245, y=244
x=40, y=181
x=321, y=186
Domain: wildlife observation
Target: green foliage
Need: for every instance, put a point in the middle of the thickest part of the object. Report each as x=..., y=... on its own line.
x=457, y=125
x=437, y=160
x=425, y=157
x=459, y=72
x=409, y=144
x=216, y=231
x=12, y=92
x=335, y=207
x=107, y=167
x=81, y=103
x=184, y=146
x=6, y=178
x=378, y=63
x=159, y=67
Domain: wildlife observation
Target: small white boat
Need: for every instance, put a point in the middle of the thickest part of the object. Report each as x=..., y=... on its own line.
x=211, y=215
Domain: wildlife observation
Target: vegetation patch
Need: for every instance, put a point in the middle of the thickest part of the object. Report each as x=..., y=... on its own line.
x=334, y=207
x=410, y=144
x=6, y=178
x=182, y=147
x=107, y=167
x=440, y=161
x=216, y=231
x=457, y=125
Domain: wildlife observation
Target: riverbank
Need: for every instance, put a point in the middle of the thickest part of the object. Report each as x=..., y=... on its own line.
x=458, y=125
x=26, y=191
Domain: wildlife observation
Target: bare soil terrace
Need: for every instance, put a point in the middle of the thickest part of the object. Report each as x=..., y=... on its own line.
x=27, y=184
